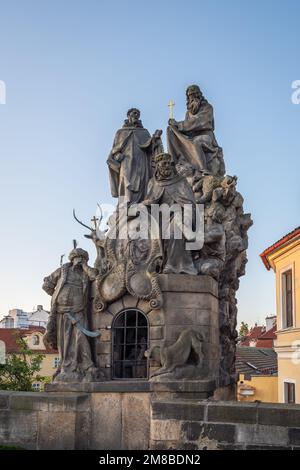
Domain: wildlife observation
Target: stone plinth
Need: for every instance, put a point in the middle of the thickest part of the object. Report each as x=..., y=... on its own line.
x=160, y=389
x=189, y=302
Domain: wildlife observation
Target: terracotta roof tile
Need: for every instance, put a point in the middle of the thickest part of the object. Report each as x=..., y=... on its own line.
x=293, y=234
x=264, y=343
x=264, y=338
x=10, y=336
x=269, y=334
x=256, y=332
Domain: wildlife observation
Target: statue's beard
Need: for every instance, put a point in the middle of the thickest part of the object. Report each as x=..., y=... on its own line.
x=165, y=173
x=77, y=267
x=194, y=105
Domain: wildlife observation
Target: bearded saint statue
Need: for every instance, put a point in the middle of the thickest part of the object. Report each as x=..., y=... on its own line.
x=168, y=188
x=192, y=141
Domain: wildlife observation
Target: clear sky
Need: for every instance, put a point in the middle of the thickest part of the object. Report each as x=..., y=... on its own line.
x=72, y=68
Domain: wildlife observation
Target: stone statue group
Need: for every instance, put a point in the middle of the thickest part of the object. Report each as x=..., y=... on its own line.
x=191, y=172
x=191, y=143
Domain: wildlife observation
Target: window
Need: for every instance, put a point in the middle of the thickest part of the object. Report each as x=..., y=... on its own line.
x=35, y=340
x=56, y=362
x=9, y=323
x=130, y=341
x=36, y=387
x=287, y=298
x=289, y=392
x=2, y=352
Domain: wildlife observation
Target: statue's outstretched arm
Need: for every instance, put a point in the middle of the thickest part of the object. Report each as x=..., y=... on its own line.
x=51, y=281
x=92, y=273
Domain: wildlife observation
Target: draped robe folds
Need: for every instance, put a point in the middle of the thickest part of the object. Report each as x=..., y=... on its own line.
x=193, y=140
x=175, y=190
x=129, y=177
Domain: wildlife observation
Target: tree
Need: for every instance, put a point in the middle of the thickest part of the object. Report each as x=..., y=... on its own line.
x=21, y=369
x=244, y=329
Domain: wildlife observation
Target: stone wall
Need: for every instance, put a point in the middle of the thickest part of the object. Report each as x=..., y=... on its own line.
x=44, y=420
x=224, y=425
x=70, y=420
x=115, y=419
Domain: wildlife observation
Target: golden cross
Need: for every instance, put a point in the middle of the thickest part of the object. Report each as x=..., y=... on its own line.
x=95, y=220
x=171, y=105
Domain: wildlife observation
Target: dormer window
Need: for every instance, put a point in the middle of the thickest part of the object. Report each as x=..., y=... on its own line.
x=35, y=340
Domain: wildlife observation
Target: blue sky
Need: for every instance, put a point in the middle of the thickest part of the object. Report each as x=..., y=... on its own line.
x=73, y=68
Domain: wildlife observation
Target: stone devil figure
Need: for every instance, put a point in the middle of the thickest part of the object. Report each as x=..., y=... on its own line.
x=67, y=327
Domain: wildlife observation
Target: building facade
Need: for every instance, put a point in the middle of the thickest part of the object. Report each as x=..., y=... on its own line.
x=17, y=318
x=34, y=338
x=283, y=257
x=261, y=336
x=257, y=369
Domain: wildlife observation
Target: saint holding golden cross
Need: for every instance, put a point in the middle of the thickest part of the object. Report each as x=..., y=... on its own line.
x=171, y=105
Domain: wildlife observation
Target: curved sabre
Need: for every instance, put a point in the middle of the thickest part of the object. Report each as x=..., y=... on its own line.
x=91, y=334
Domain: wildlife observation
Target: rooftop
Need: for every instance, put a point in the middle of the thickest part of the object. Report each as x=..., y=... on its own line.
x=256, y=361
x=10, y=336
x=287, y=238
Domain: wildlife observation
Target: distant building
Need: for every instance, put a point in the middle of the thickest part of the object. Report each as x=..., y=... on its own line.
x=283, y=257
x=17, y=318
x=7, y=322
x=261, y=336
x=257, y=369
x=34, y=338
x=39, y=317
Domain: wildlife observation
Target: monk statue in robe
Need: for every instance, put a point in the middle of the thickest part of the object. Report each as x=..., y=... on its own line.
x=130, y=161
x=192, y=141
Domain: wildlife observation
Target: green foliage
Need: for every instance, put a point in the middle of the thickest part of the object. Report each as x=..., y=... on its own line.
x=11, y=448
x=244, y=329
x=21, y=369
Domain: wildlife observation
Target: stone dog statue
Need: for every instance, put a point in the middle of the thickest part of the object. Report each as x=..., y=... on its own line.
x=186, y=353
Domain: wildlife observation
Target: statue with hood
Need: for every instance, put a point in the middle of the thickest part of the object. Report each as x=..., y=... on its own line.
x=130, y=161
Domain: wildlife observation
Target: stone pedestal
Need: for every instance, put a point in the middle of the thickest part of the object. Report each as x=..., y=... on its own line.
x=189, y=302
x=120, y=410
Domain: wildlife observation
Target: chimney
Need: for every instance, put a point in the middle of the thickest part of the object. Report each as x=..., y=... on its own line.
x=270, y=322
x=39, y=307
